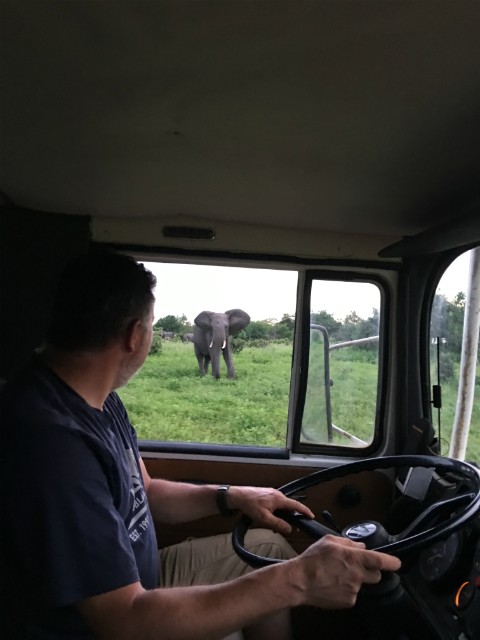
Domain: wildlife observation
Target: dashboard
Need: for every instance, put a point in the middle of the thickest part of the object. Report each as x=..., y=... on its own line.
x=444, y=584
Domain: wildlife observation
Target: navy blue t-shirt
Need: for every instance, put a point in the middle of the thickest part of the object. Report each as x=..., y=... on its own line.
x=75, y=519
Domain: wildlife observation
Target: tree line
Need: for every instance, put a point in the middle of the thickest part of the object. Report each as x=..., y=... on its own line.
x=351, y=328
x=446, y=328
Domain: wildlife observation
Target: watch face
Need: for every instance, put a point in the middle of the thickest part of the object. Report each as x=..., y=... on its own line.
x=437, y=561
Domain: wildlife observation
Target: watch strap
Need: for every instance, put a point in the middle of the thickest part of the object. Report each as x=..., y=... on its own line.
x=221, y=497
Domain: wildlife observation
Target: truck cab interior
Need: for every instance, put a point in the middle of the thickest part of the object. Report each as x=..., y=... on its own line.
x=315, y=163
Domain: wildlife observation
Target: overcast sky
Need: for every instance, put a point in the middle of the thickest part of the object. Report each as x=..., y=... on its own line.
x=266, y=293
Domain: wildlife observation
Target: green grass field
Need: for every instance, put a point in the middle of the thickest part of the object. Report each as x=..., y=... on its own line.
x=168, y=400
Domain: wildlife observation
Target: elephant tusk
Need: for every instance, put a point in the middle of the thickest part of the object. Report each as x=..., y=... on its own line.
x=223, y=344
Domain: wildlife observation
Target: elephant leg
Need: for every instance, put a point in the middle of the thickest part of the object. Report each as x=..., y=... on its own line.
x=227, y=356
x=206, y=361
x=200, y=366
x=202, y=362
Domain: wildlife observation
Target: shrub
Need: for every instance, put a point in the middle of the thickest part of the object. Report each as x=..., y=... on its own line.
x=237, y=344
x=156, y=346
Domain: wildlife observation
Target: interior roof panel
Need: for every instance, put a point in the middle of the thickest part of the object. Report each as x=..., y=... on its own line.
x=358, y=117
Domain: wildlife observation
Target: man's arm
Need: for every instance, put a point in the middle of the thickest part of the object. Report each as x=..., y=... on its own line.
x=329, y=575
x=174, y=502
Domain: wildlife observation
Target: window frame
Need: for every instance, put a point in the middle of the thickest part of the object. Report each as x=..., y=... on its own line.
x=330, y=269
x=303, y=448
x=437, y=415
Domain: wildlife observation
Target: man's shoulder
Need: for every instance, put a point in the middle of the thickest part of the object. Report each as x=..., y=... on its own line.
x=39, y=406
x=114, y=405
x=30, y=389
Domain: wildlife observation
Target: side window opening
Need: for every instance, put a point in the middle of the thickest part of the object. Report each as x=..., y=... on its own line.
x=343, y=364
x=170, y=401
x=454, y=336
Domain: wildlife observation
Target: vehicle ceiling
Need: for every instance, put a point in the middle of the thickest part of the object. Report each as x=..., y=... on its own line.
x=334, y=115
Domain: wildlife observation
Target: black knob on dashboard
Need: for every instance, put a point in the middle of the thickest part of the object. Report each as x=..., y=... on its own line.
x=349, y=496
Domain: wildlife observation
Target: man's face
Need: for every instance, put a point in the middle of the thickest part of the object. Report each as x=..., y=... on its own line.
x=138, y=356
x=147, y=330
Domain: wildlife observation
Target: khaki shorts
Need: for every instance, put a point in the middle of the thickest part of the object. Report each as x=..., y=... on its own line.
x=212, y=560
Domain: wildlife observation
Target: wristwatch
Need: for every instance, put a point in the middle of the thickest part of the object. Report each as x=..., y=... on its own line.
x=222, y=501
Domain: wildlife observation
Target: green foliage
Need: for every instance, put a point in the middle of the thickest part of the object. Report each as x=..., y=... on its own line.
x=328, y=321
x=269, y=330
x=288, y=321
x=358, y=353
x=257, y=329
x=156, y=346
x=352, y=386
x=449, y=400
x=237, y=344
x=353, y=396
x=177, y=324
x=446, y=336
x=459, y=300
x=447, y=322
x=354, y=328
x=283, y=331
x=447, y=367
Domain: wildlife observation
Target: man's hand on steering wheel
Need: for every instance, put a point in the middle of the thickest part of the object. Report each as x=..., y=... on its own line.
x=259, y=503
x=333, y=570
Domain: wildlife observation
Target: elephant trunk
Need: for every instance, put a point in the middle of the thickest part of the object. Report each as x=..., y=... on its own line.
x=217, y=344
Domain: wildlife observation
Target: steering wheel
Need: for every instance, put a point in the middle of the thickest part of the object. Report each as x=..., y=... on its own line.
x=460, y=509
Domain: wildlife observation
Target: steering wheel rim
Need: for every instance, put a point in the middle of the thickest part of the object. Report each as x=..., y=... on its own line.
x=409, y=543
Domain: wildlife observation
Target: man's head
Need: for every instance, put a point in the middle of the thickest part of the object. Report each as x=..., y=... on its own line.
x=99, y=297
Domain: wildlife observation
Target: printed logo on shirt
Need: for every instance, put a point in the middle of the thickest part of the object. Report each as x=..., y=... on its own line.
x=140, y=520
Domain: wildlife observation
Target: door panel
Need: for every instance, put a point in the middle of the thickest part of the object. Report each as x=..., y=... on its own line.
x=368, y=493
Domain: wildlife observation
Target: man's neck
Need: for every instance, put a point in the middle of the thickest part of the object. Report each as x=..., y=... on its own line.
x=90, y=373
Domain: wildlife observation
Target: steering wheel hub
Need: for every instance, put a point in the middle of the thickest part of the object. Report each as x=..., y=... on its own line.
x=360, y=532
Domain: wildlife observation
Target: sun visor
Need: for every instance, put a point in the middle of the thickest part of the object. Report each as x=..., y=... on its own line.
x=460, y=232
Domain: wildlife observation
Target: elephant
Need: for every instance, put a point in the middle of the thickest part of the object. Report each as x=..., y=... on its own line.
x=187, y=337
x=211, y=335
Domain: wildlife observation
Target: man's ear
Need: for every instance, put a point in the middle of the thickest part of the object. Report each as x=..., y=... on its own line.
x=133, y=335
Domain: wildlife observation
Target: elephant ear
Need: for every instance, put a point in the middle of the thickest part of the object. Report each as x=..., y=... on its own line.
x=204, y=319
x=238, y=319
